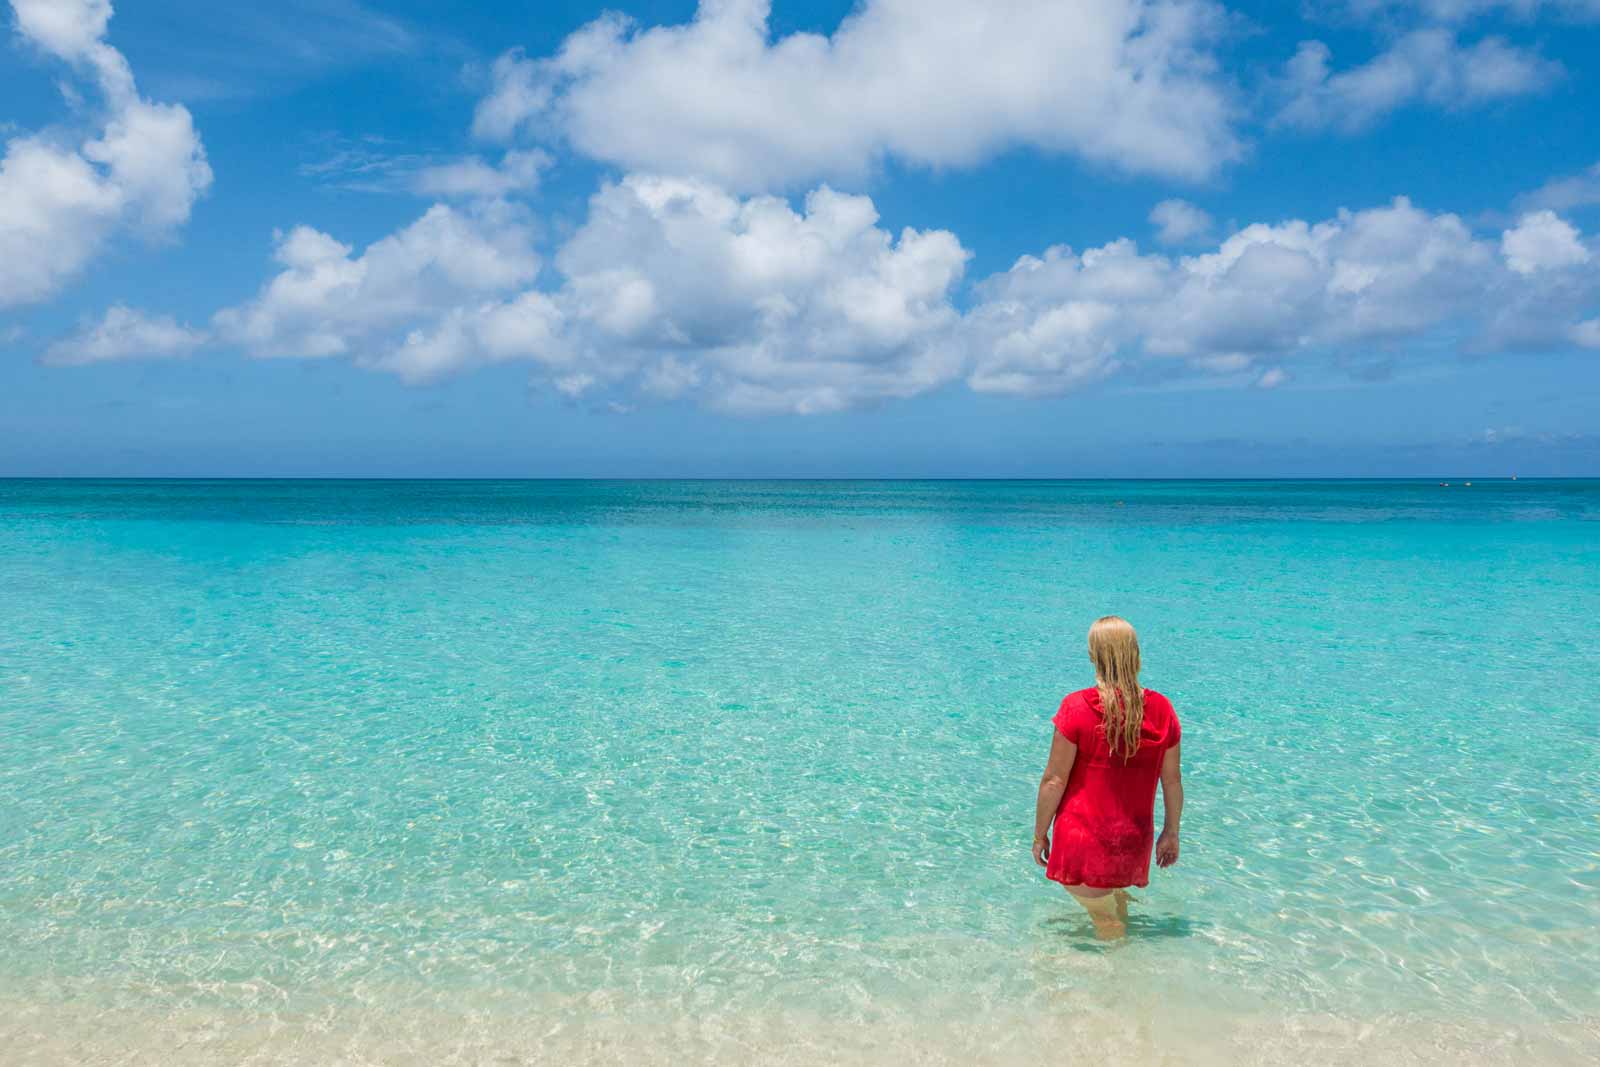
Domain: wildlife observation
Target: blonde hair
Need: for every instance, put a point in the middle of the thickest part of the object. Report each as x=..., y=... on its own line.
x=1114, y=648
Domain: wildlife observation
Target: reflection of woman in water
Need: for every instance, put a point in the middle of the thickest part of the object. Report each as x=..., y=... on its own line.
x=1112, y=743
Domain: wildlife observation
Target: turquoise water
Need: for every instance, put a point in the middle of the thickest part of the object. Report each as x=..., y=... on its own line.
x=744, y=772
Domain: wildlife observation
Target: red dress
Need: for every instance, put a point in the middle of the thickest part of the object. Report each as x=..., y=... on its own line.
x=1103, y=830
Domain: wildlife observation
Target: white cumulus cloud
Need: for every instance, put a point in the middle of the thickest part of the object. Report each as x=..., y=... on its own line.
x=674, y=287
x=767, y=307
x=62, y=198
x=124, y=333
x=1130, y=83
x=1360, y=280
x=671, y=286
x=327, y=301
x=1542, y=240
x=71, y=29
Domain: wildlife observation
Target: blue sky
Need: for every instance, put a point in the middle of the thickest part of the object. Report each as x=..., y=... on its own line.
x=895, y=237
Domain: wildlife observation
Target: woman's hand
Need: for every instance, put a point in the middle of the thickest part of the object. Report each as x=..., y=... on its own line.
x=1041, y=850
x=1167, y=848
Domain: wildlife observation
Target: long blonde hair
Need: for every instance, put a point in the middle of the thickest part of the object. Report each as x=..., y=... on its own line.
x=1114, y=648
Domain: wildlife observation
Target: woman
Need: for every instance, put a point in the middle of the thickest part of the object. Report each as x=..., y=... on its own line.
x=1111, y=745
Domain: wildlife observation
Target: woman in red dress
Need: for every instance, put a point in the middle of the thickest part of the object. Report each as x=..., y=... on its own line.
x=1112, y=744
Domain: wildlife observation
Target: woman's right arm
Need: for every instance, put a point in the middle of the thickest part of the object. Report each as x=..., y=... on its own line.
x=1172, y=800
x=1057, y=771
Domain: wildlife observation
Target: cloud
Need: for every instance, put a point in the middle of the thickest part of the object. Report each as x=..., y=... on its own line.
x=1359, y=283
x=939, y=83
x=1542, y=241
x=124, y=333
x=1565, y=194
x=670, y=286
x=1515, y=437
x=527, y=326
x=1178, y=222
x=766, y=308
x=674, y=287
x=522, y=90
x=328, y=302
x=1496, y=435
x=1427, y=66
x=1462, y=10
x=61, y=201
x=518, y=172
x=369, y=165
x=70, y=29
x=366, y=165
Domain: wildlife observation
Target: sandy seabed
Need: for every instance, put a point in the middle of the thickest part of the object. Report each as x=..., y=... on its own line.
x=36, y=1034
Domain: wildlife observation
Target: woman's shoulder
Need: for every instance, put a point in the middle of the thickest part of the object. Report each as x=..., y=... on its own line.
x=1082, y=700
x=1158, y=703
x=1076, y=713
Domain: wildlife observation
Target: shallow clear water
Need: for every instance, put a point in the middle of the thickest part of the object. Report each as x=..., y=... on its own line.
x=480, y=772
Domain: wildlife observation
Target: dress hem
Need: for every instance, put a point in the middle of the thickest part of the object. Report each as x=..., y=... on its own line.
x=1091, y=885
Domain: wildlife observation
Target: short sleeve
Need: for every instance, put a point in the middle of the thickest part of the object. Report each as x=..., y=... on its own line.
x=1175, y=729
x=1069, y=720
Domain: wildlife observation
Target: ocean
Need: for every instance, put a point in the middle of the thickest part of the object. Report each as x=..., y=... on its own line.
x=743, y=772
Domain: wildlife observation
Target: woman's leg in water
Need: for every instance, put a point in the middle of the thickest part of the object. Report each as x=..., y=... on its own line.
x=1108, y=908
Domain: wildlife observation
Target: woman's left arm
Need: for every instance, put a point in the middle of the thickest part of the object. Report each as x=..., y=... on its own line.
x=1051, y=787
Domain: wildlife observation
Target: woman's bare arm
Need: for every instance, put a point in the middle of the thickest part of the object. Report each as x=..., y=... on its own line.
x=1051, y=787
x=1172, y=801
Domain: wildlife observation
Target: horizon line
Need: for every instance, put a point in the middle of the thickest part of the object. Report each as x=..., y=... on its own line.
x=1451, y=479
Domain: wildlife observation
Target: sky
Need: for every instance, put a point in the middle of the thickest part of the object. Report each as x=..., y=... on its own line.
x=897, y=238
